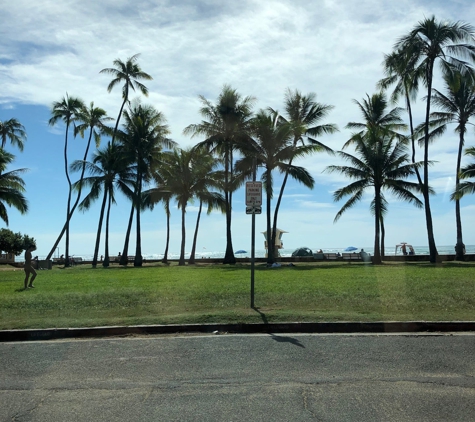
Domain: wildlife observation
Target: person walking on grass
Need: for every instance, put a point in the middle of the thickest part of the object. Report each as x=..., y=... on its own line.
x=29, y=270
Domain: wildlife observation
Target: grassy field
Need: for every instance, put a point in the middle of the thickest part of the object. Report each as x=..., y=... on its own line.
x=82, y=296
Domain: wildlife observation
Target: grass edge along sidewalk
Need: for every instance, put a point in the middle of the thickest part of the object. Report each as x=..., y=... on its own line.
x=216, y=294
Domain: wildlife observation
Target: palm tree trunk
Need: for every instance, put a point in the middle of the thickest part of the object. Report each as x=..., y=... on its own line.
x=229, y=257
x=413, y=140
x=279, y=200
x=67, y=260
x=270, y=246
x=195, y=236
x=183, y=236
x=459, y=247
x=138, y=239
x=167, y=211
x=377, y=224
x=125, y=251
x=106, y=246
x=433, y=255
x=383, y=235
x=99, y=228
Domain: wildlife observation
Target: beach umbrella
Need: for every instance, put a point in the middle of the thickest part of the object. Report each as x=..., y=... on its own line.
x=350, y=249
x=240, y=251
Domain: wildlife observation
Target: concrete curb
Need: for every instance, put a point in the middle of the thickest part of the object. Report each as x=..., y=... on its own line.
x=274, y=328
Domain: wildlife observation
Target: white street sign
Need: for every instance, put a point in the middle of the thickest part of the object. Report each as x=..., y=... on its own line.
x=254, y=194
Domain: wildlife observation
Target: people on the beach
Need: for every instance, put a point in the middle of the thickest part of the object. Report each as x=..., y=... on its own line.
x=403, y=249
x=29, y=270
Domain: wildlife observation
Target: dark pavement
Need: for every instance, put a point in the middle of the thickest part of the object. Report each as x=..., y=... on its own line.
x=264, y=377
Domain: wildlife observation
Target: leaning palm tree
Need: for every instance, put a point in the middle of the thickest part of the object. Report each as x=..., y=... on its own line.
x=227, y=129
x=430, y=41
x=92, y=119
x=303, y=114
x=13, y=130
x=274, y=150
x=144, y=137
x=12, y=187
x=458, y=106
x=128, y=73
x=66, y=110
x=108, y=171
x=381, y=163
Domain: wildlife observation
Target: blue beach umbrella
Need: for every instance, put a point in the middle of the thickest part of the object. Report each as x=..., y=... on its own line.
x=350, y=249
x=240, y=251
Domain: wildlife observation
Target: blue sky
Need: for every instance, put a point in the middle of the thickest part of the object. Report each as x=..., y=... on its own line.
x=191, y=48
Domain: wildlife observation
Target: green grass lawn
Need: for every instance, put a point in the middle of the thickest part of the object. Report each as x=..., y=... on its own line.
x=82, y=296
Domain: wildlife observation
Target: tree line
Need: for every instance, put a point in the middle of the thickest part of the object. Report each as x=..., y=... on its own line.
x=143, y=163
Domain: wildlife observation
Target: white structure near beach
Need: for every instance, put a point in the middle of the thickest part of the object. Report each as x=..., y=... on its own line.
x=278, y=241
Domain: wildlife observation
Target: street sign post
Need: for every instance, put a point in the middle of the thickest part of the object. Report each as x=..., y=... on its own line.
x=253, y=207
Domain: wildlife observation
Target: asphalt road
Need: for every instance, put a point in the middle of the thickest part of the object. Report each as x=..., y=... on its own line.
x=241, y=377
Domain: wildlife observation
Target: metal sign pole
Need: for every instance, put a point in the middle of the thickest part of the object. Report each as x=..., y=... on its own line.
x=253, y=239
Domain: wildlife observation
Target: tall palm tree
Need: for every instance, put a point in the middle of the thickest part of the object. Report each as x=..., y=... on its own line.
x=13, y=130
x=144, y=137
x=381, y=163
x=400, y=72
x=128, y=73
x=107, y=171
x=303, y=114
x=92, y=119
x=430, y=41
x=66, y=110
x=458, y=106
x=12, y=187
x=274, y=150
x=227, y=129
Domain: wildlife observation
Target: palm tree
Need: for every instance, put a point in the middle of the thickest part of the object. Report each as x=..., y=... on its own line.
x=12, y=187
x=188, y=174
x=92, y=119
x=376, y=116
x=108, y=171
x=227, y=129
x=400, y=71
x=467, y=172
x=427, y=42
x=13, y=130
x=458, y=106
x=381, y=163
x=66, y=110
x=144, y=139
x=128, y=73
x=205, y=178
x=303, y=113
x=274, y=150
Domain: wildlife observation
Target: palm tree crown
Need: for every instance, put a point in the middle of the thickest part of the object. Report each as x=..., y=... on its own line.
x=13, y=130
x=12, y=187
x=128, y=73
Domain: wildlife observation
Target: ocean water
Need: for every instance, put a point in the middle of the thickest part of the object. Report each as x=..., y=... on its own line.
x=260, y=253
